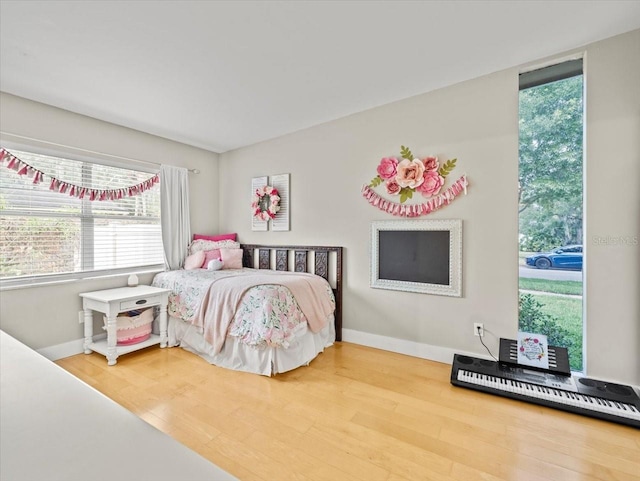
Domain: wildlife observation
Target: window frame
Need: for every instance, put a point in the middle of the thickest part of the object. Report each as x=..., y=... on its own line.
x=56, y=278
x=556, y=70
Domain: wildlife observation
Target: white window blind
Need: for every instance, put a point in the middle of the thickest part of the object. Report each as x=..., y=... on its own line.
x=46, y=235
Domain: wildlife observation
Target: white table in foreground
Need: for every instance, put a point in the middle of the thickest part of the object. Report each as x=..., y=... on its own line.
x=55, y=427
x=111, y=302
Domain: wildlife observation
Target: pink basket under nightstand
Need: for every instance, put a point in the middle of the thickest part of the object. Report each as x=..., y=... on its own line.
x=133, y=327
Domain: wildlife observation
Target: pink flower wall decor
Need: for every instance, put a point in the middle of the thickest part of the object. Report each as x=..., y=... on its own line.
x=265, y=203
x=432, y=184
x=388, y=168
x=402, y=178
x=410, y=173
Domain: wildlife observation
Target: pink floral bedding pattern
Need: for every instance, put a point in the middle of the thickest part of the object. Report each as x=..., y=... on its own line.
x=267, y=316
x=187, y=289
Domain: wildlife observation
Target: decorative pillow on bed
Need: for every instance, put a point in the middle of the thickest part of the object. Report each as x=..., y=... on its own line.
x=231, y=258
x=207, y=245
x=219, y=237
x=211, y=255
x=194, y=261
x=215, y=265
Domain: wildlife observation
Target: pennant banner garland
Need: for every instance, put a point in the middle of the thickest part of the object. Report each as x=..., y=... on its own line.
x=57, y=185
x=415, y=210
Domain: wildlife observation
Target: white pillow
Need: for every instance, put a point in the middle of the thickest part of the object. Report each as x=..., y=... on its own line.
x=207, y=245
x=215, y=265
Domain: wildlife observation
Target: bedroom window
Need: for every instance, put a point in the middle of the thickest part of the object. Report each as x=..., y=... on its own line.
x=551, y=206
x=49, y=236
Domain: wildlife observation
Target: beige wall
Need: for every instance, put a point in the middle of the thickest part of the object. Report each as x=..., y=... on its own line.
x=474, y=121
x=613, y=208
x=47, y=316
x=477, y=122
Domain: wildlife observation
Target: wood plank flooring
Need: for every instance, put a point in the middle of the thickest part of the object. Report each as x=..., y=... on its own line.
x=358, y=414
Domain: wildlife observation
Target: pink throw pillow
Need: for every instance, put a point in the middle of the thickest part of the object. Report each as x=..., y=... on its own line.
x=210, y=255
x=194, y=261
x=219, y=237
x=231, y=258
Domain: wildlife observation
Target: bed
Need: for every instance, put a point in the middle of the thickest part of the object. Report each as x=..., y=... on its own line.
x=276, y=313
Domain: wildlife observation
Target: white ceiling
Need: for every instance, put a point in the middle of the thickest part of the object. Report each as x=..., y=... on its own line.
x=225, y=74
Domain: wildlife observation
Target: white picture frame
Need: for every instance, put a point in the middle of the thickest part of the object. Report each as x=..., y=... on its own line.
x=422, y=256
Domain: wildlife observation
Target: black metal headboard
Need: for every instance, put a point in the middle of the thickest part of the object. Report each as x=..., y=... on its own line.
x=324, y=265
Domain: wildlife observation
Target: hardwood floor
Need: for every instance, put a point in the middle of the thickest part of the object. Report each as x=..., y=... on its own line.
x=357, y=413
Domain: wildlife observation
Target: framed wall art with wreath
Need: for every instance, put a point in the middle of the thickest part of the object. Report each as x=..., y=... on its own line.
x=270, y=203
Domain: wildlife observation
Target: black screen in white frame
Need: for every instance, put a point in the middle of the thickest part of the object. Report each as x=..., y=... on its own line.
x=423, y=256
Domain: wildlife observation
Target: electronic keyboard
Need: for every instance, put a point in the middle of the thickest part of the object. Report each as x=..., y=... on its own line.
x=590, y=397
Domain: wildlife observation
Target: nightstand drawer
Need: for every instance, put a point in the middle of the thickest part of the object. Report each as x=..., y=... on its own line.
x=139, y=303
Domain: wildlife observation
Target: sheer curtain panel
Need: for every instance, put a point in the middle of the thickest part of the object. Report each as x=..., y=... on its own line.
x=176, y=228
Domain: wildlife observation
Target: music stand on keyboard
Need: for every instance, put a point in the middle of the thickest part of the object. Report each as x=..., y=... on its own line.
x=558, y=358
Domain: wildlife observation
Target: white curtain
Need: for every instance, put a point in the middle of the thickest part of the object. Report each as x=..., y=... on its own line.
x=174, y=203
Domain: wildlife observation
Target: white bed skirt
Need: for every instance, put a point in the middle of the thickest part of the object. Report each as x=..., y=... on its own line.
x=238, y=356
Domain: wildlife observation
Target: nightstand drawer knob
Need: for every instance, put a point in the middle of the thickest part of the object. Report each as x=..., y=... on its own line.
x=138, y=302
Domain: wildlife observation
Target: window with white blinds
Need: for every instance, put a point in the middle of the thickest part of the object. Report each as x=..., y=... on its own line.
x=47, y=235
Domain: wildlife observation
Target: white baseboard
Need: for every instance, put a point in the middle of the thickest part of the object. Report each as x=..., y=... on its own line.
x=402, y=346
x=66, y=349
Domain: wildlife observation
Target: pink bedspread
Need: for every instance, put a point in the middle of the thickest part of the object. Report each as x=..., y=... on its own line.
x=221, y=301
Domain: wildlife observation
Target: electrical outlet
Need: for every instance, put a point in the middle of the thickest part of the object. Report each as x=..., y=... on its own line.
x=478, y=329
x=81, y=317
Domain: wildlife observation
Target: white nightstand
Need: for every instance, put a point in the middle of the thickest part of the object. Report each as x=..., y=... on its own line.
x=111, y=302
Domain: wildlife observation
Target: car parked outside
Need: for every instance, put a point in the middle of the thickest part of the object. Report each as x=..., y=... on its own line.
x=566, y=257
